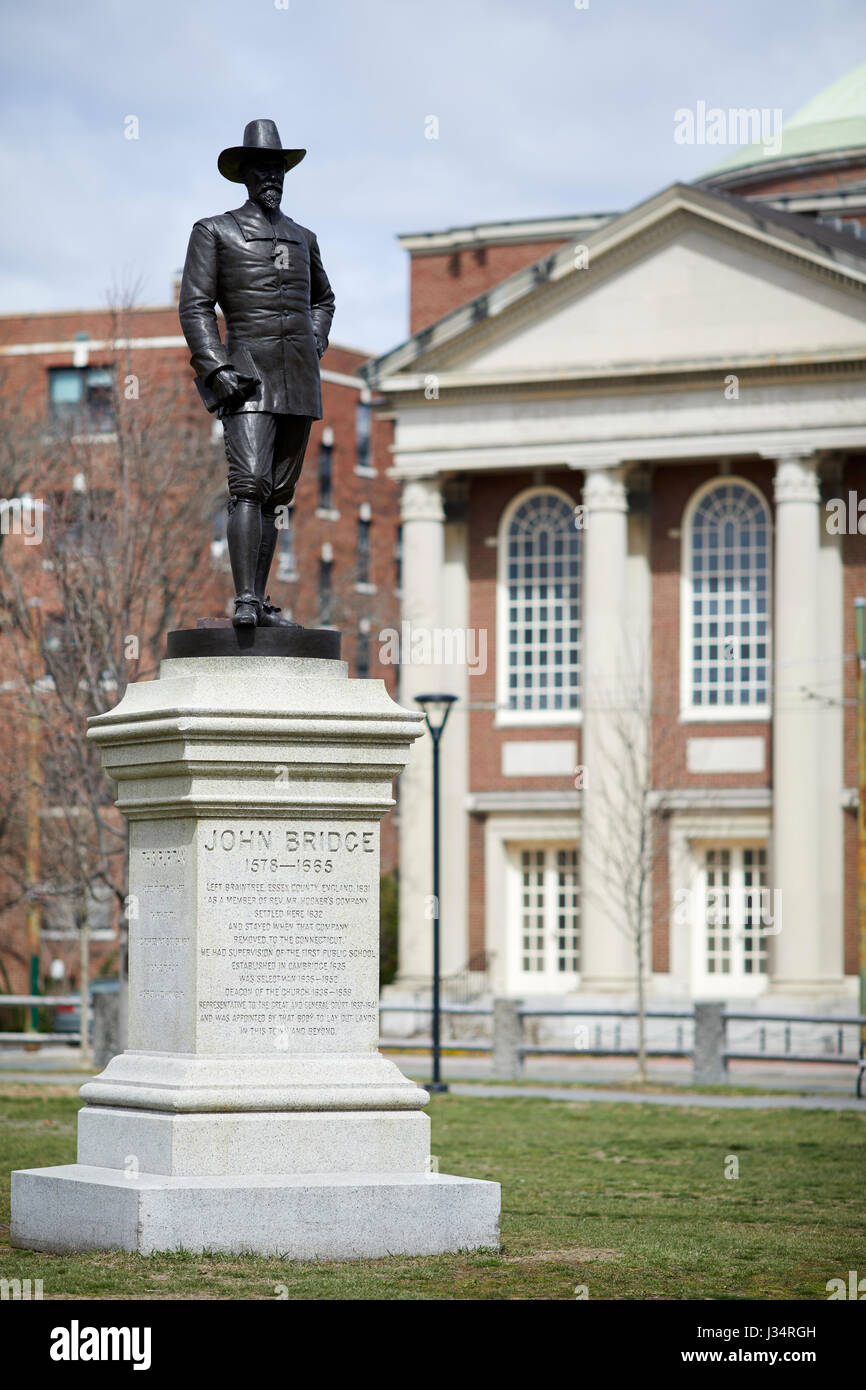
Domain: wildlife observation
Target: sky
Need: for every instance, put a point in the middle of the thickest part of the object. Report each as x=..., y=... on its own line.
x=544, y=108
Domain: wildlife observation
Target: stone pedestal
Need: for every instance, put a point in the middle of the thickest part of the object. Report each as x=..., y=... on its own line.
x=252, y=1110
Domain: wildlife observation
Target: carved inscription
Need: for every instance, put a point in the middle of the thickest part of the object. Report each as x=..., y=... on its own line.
x=161, y=920
x=288, y=959
x=157, y=957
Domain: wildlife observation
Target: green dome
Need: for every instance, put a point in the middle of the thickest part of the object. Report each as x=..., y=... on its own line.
x=833, y=120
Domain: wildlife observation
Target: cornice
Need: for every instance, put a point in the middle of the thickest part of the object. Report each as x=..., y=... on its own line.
x=712, y=799
x=772, y=444
x=484, y=803
x=636, y=379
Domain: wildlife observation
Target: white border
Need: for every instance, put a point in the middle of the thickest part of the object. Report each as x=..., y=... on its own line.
x=500, y=832
x=689, y=832
x=719, y=714
x=514, y=718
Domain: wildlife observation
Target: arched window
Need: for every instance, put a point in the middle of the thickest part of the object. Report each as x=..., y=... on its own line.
x=539, y=626
x=726, y=600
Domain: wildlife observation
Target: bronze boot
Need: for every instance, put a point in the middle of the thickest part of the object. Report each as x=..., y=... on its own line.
x=269, y=613
x=244, y=534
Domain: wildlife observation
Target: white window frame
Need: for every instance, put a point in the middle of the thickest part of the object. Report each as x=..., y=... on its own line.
x=502, y=830
x=719, y=714
x=522, y=718
x=691, y=833
x=737, y=984
x=550, y=980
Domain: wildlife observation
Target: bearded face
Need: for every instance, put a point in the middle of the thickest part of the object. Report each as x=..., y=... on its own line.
x=263, y=176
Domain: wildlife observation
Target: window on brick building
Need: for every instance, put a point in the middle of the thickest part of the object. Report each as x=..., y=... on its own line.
x=726, y=621
x=286, y=563
x=81, y=399
x=398, y=559
x=362, y=657
x=539, y=613
x=363, y=568
x=734, y=917
x=544, y=925
x=326, y=480
x=363, y=434
x=219, y=546
x=326, y=590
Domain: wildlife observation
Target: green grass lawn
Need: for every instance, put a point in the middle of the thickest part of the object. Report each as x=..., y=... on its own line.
x=630, y=1201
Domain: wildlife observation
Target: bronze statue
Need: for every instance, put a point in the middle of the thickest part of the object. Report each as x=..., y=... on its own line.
x=266, y=274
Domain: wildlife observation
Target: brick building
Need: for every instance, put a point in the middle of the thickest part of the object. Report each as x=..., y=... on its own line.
x=625, y=443
x=337, y=561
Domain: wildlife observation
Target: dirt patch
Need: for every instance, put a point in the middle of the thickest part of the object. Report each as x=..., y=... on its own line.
x=18, y=1090
x=575, y=1255
x=625, y=1158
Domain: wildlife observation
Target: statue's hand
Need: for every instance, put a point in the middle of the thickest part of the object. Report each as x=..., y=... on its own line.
x=226, y=387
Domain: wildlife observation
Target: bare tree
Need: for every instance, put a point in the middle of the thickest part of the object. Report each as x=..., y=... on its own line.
x=126, y=494
x=620, y=841
x=20, y=440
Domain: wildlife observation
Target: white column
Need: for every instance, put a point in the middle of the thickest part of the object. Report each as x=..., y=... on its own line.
x=454, y=678
x=423, y=517
x=831, y=637
x=796, y=868
x=608, y=677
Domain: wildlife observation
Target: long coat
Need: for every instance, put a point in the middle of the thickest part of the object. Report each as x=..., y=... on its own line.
x=267, y=276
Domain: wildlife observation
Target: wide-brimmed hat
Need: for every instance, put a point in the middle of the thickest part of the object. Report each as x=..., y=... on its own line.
x=259, y=137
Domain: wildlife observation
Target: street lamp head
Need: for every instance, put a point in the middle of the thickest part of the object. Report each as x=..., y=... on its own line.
x=436, y=710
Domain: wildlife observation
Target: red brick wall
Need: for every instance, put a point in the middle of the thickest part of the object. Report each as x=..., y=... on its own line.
x=477, y=887
x=24, y=380
x=489, y=495
x=440, y=283
x=802, y=184
x=156, y=321
x=661, y=896
x=672, y=489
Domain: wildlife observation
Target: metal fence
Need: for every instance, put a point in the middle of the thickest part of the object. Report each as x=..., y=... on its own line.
x=700, y=1033
x=509, y=1032
x=41, y=1001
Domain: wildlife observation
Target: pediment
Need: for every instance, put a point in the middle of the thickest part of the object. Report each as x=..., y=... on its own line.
x=691, y=284
x=697, y=298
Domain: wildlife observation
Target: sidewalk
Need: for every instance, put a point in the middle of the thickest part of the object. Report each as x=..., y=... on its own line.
x=54, y=1065
x=819, y=1086
x=813, y=1078
x=697, y=1099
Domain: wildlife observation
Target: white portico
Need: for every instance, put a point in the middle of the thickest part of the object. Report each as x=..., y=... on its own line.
x=695, y=339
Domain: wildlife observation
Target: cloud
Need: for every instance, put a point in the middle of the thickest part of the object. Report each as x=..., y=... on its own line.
x=543, y=109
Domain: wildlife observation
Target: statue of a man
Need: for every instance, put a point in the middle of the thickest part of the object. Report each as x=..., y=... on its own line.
x=266, y=274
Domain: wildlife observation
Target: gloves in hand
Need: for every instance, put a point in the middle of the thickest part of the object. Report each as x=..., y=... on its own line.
x=226, y=386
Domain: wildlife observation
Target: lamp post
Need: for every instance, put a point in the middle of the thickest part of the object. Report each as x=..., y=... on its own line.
x=436, y=710
x=34, y=812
